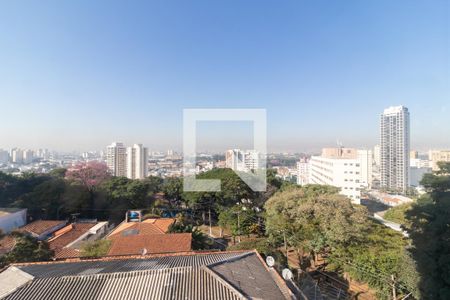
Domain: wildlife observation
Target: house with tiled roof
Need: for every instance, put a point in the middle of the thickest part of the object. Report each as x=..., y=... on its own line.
x=150, y=243
x=148, y=226
x=42, y=229
x=147, y=236
x=66, y=242
x=214, y=275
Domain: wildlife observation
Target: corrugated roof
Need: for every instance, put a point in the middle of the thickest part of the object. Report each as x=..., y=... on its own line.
x=175, y=283
x=226, y=275
x=100, y=266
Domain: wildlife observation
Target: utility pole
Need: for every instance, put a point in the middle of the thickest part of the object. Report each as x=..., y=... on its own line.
x=394, y=294
x=239, y=228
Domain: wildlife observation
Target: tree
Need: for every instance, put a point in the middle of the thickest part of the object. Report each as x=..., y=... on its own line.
x=44, y=200
x=430, y=234
x=173, y=189
x=199, y=240
x=27, y=249
x=90, y=174
x=97, y=248
x=314, y=218
x=123, y=194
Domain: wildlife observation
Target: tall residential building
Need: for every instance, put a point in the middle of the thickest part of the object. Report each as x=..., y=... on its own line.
x=436, y=156
x=137, y=162
x=116, y=159
x=28, y=156
x=4, y=156
x=395, y=148
x=245, y=161
x=303, y=171
x=17, y=156
x=346, y=168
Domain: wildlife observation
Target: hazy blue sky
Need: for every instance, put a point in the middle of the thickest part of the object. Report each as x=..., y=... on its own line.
x=81, y=74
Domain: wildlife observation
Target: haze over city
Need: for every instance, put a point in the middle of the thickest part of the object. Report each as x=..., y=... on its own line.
x=78, y=75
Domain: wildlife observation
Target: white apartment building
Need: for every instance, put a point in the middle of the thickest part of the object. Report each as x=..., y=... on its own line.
x=436, y=156
x=116, y=159
x=303, y=172
x=28, y=156
x=244, y=161
x=345, y=168
x=137, y=162
x=17, y=156
x=4, y=156
x=395, y=140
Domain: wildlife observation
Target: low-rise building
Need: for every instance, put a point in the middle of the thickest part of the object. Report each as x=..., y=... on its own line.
x=303, y=171
x=436, y=156
x=346, y=168
x=215, y=276
x=42, y=229
x=66, y=242
x=12, y=218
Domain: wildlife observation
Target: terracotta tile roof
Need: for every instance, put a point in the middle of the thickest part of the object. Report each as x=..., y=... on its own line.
x=153, y=243
x=40, y=226
x=66, y=253
x=69, y=234
x=7, y=243
x=149, y=226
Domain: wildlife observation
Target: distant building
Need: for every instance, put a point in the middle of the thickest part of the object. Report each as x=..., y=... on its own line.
x=137, y=162
x=413, y=154
x=12, y=218
x=4, y=156
x=28, y=156
x=416, y=174
x=243, y=160
x=395, y=148
x=436, y=156
x=346, y=168
x=116, y=159
x=17, y=156
x=303, y=171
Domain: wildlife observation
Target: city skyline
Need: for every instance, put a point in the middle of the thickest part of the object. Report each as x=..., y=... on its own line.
x=323, y=71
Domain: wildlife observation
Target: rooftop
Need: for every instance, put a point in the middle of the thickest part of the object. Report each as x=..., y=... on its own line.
x=40, y=226
x=67, y=235
x=148, y=226
x=9, y=210
x=152, y=243
x=218, y=275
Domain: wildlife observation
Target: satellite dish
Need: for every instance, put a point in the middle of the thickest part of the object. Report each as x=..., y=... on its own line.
x=144, y=251
x=270, y=261
x=287, y=274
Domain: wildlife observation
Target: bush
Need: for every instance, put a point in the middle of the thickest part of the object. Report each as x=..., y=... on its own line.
x=95, y=248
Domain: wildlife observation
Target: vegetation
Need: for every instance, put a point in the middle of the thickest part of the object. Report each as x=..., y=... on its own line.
x=199, y=240
x=430, y=235
x=26, y=249
x=95, y=248
x=316, y=221
x=313, y=220
x=397, y=214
